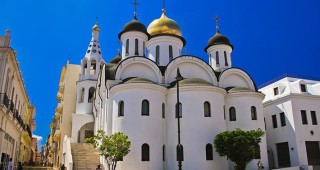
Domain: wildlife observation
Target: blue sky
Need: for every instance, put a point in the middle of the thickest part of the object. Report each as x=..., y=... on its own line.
x=270, y=38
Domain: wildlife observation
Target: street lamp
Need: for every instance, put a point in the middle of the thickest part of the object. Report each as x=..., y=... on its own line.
x=179, y=147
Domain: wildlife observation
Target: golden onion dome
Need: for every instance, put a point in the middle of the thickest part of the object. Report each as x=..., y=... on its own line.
x=95, y=28
x=164, y=25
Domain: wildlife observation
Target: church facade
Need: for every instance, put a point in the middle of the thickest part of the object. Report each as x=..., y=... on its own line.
x=136, y=93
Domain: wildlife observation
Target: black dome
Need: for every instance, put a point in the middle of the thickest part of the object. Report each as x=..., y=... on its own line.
x=116, y=59
x=218, y=39
x=134, y=25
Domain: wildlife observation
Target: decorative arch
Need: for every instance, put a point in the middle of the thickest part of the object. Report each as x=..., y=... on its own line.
x=93, y=66
x=86, y=131
x=84, y=66
x=92, y=90
x=138, y=67
x=235, y=77
x=190, y=67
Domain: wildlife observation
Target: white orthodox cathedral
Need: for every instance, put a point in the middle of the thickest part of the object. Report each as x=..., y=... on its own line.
x=136, y=93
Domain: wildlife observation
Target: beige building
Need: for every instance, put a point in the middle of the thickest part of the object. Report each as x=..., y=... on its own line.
x=16, y=112
x=61, y=122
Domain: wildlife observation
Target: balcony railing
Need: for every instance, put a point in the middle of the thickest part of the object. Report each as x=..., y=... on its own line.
x=5, y=100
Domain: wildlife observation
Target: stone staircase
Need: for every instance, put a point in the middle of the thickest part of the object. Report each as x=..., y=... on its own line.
x=84, y=156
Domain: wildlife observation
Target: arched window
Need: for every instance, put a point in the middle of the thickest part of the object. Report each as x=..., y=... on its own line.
x=179, y=110
x=93, y=67
x=145, y=108
x=81, y=96
x=253, y=113
x=144, y=48
x=145, y=152
x=157, y=54
x=92, y=90
x=210, y=59
x=217, y=57
x=163, y=111
x=84, y=67
x=136, y=42
x=225, y=59
x=207, y=109
x=170, y=53
x=209, y=152
x=164, y=152
x=127, y=47
x=180, y=153
x=121, y=109
x=232, y=114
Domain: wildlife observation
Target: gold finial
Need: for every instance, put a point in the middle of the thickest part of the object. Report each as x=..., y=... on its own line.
x=217, y=24
x=135, y=4
x=96, y=27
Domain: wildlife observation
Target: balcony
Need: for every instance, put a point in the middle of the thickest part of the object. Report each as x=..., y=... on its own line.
x=57, y=135
x=4, y=100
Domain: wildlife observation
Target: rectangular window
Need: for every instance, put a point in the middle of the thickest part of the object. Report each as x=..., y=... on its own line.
x=276, y=91
x=274, y=121
x=303, y=88
x=304, y=117
x=283, y=119
x=314, y=118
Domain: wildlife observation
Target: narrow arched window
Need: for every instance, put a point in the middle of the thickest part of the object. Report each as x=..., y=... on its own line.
x=144, y=48
x=170, y=53
x=209, y=152
x=224, y=112
x=136, y=43
x=84, y=67
x=253, y=113
x=210, y=59
x=180, y=153
x=232, y=114
x=145, y=108
x=127, y=47
x=157, y=54
x=225, y=59
x=207, y=109
x=81, y=96
x=145, y=152
x=179, y=110
x=217, y=57
x=164, y=153
x=121, y=109
x=93, y=67
x=92, y=90
x=163, y=110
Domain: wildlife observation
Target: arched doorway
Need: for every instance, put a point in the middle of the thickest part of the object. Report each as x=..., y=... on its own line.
x=86, y=131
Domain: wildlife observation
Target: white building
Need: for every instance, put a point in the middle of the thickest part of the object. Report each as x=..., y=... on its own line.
x=291, y=111
x=136, y=94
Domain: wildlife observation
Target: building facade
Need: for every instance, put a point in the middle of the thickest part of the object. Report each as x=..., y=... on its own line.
x=16, y=112
x=136, y=94
x=291, y=111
